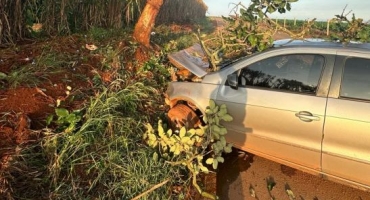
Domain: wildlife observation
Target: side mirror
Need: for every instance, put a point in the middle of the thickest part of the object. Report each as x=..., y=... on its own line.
x=232, y=81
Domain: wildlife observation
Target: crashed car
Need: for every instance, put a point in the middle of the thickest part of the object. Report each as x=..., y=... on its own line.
x=301, y=103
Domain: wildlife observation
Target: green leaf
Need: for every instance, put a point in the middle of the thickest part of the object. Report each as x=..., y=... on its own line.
x=252, y=39
x=49, y=119
x=223, y=131
x=185, y=139
x=223, y=110
x=205, y=118
x=215, y=135
x=227, y=118
x=155, y=156
x=3, y=76
x=212, y=104
x=210, y=120
x=220, y=159
x=191, y=142
x=198, y=139
x=209, y=111
x=204, y=169
x=260, y=14
x=215, y=164
x=163, y=143
x=182, y=132
x=281, y=10
x=70, y=128
x=215, y=109
x=216, y=120
x=215, y=128
x=160, y=130
x=270, y=183
x=153, y=143
x=177, y=151
x=61, y=112
x=149, y=128
x=152, y=137
x=271, y=9
x=216, y=148
x=71, y=118
x=290, y=194
x=223, y=142
x=288, y=6
x=191, y=132
x=209, y=161
x=199, y=132
x=169, y=132
x=228, y=148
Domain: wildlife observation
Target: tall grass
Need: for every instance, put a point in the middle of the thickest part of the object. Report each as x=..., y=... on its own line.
x=104, y=158
x=19, y=17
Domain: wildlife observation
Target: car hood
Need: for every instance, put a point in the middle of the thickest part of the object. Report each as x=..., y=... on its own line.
x=192, y=59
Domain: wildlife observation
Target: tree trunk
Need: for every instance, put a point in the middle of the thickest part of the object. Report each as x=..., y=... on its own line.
x=146, y=22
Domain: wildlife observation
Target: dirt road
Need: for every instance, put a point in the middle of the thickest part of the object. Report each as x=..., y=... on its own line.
x=244, y=176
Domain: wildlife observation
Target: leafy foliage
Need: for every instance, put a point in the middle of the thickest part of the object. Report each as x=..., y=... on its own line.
x=190, y=147
x=250, y=32
x=66, y=121
x=353, y=29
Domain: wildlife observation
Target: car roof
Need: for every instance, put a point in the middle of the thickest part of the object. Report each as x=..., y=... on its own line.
x=320, y=43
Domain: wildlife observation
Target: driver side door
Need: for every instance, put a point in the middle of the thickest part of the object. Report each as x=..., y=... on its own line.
x=277, y=111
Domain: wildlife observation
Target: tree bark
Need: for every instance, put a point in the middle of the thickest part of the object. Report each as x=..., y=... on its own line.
x=146, y=22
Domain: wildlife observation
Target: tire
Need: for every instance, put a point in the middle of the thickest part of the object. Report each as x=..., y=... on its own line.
x=182, y=115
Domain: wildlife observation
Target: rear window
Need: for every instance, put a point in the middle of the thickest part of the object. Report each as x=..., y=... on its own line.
x=356, y=79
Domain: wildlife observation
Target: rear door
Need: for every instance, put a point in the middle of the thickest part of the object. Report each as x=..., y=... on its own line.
x=279, y=109
x=346, y=144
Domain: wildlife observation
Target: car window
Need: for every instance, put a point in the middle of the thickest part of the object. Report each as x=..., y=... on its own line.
x=295, y=72
x=356, y=79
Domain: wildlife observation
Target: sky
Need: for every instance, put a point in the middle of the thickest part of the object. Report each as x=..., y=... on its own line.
x=322, y=10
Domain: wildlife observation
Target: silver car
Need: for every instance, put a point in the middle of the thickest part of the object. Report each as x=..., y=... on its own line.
x=302, y=103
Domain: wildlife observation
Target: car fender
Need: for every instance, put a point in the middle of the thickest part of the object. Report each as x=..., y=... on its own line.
x=186, y=91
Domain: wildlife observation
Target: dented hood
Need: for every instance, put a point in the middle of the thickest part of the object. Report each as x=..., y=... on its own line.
x=192, y=59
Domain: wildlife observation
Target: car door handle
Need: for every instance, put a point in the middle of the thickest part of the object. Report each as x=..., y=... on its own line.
x=307, y=116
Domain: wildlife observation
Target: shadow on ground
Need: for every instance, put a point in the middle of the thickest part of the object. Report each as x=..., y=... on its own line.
x=228, y=173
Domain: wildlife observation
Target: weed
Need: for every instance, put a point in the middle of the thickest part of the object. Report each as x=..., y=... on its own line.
x=66, y=121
